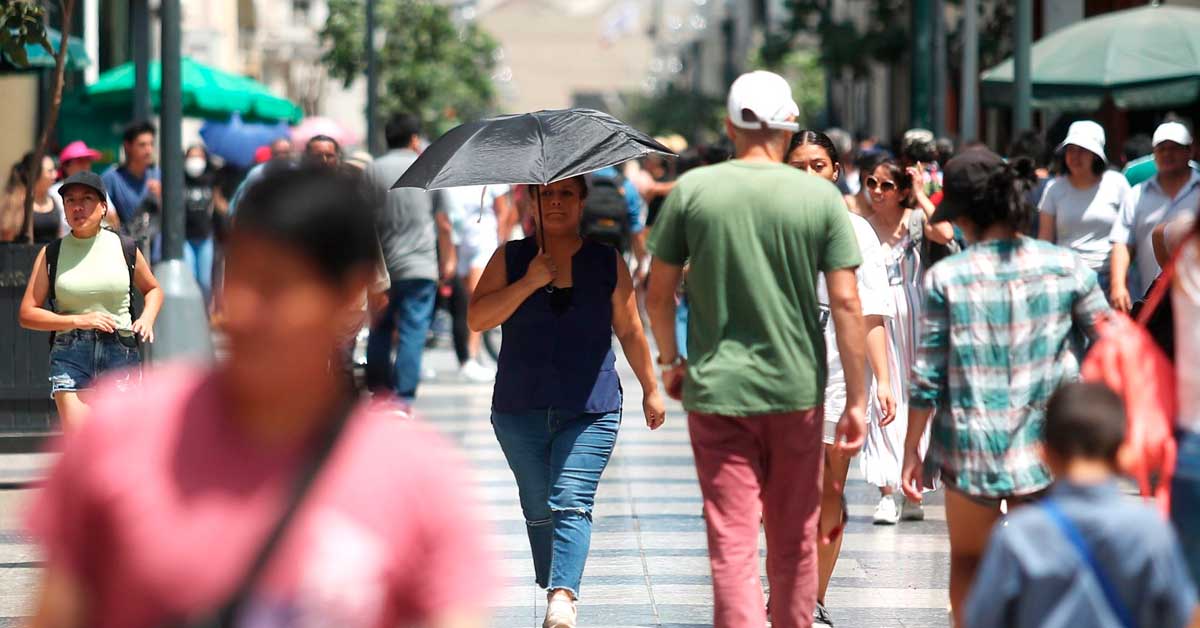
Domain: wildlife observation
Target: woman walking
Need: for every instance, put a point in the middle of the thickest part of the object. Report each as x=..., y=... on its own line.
x=1079, y=207
x=49, y=220
x=813, y=152
x=557, y=403
x=259, y=480
x=89, y=276
x=1000, y=334
x=902, y=221
x=203, y=208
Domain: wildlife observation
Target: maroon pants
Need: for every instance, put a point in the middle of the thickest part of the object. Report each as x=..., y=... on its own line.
x=766, y=469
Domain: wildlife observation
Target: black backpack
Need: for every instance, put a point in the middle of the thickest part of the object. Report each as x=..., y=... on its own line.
x=605, y=213
x=129, y=249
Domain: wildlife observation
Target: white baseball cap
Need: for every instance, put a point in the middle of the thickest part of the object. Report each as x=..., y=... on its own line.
x=762, y=100
x=1172, y=132
x=1087, y=135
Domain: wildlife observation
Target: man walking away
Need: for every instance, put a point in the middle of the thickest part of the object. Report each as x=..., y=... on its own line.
x=135, y=185
x=413, y=230
x=756, y=233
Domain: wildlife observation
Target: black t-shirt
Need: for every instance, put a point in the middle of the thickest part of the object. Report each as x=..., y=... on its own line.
x=198, y=204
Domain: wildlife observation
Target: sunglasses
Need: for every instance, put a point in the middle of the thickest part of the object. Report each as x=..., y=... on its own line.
x=886, y=186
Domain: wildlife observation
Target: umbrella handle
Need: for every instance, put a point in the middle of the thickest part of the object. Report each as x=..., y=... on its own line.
x=541, y=231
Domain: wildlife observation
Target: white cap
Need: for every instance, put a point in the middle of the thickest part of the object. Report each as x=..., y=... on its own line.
x=1172, y=132
x=767, y=98
x=1087, y=135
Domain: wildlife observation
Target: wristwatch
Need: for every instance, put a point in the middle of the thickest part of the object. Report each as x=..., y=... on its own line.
x=670, y=363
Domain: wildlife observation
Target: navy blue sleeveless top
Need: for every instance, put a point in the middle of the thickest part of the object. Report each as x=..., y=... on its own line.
x=560, y=358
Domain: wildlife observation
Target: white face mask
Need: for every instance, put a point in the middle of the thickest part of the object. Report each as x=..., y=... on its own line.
x=194, y=166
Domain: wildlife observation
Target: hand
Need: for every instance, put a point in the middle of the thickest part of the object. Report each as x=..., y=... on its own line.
x=541, y=271
x=154, y=187
x=673, y=381
x=655, y=409
x=887, y=403
x=449, y=269
x=918, y=180
x=643, y=271
x=377, y=303
x=911, y=474
x=851, y=430
x=98, y=321
x=144, y=329
x=1120, y=299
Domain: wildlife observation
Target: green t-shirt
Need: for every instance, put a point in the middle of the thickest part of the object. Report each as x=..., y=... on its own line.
x=756, y=234
x=92, y=277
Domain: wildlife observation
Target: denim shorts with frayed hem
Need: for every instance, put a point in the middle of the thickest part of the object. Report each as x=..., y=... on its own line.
x=78, y=357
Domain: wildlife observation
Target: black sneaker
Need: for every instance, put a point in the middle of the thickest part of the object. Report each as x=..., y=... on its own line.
x=821, y=618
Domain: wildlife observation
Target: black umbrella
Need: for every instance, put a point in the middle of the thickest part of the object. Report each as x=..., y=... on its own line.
x=540, y=147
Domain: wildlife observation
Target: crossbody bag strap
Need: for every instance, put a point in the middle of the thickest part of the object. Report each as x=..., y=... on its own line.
x=1072, y=533
x=226, y=614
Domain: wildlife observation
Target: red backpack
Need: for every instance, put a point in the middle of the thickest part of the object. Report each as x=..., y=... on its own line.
x=1128, y=360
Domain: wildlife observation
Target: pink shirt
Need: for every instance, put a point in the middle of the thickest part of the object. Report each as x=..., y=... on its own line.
x=159, y=503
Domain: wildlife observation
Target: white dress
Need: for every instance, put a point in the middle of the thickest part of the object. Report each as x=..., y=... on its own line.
x=883, y=453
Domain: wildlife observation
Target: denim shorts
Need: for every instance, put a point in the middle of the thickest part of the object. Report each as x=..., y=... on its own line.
x=78, y=357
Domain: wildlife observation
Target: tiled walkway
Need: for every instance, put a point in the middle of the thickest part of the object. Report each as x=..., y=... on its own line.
x=648, y=565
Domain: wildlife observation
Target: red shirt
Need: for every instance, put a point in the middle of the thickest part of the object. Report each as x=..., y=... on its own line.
x=159, y=503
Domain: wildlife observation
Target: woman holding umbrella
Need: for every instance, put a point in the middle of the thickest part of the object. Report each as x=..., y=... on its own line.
x=557, y=402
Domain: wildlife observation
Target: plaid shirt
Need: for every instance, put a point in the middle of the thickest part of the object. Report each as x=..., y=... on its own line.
x=1002, y=331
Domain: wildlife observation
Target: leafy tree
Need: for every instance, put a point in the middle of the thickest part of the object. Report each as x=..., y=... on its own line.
x=429, y=65
x=695, y=116
x=23, y=22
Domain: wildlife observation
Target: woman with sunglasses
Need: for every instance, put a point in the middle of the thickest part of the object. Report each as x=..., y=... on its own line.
x=901, y=221
x=815, y=153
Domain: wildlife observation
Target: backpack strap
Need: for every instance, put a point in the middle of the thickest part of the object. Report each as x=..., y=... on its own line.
x=1075, y=537
x=129, y=249
x=52, y=252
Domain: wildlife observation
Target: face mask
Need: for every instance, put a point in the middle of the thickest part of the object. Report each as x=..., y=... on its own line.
x=194, y=166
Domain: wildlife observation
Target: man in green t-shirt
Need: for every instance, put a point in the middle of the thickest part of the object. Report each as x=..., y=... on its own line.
x=756, y=232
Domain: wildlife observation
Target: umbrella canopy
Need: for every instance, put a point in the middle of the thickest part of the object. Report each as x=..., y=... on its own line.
x=235, y=141
x=38, y=59
x=540, y=147
x=1143, y=57
x=207, y=93
x=313, y=126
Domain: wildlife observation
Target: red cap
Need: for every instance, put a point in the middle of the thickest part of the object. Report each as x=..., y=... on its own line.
x=77, y=150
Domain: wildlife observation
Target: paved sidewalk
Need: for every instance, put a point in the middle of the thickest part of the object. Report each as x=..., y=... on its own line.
x=648, y=565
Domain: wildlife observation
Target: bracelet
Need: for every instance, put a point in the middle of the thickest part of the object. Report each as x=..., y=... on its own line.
x=677, y=361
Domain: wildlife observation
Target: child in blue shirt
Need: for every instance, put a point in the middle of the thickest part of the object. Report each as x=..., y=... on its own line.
x=1086, y=555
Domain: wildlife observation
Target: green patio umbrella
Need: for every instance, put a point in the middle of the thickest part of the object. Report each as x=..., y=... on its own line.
x=1144, y=57
x=207, y=93
x=38, y=59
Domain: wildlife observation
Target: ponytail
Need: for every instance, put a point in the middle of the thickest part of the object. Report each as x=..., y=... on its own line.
x=1005, y=198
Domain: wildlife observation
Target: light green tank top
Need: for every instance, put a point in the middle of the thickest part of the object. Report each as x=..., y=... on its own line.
x=92, y=277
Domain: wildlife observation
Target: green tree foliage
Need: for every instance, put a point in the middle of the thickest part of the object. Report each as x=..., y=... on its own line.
x=23, y=23
x=674, y=109
x=803, y=71
x=429, y=65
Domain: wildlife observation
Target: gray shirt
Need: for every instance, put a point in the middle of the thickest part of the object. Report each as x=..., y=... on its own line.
x=407, y=231
x=1083, y=219
x=1032, y=575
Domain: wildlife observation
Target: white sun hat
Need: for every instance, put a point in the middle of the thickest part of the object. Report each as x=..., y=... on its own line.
x=1087, y=135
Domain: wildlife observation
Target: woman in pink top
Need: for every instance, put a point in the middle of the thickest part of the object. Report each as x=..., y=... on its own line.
x=161, y=503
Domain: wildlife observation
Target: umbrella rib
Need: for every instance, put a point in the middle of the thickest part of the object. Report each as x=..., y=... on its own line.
x=542, y=147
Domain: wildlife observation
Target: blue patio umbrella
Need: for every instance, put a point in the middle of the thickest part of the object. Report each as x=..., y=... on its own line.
x=235, y=141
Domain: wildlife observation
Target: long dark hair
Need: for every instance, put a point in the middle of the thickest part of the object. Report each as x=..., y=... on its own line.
x=1005, y=197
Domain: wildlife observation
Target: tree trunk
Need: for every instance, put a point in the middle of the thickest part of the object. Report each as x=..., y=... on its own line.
x=39, y=151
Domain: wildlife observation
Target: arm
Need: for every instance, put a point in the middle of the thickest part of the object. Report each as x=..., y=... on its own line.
x=32, y=315
x=878, y=359
x=506, y=217
x=846, y=310
x=495, y=300
x=627, y=324
x=447, y=255
x=60, y=602
x=940, y=232
x=1046, y=227
x=928, y=379
x=145, y=282
x=1119, y=265
x=660, y=306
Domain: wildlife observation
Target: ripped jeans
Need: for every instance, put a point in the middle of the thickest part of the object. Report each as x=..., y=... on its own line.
x=557, y=460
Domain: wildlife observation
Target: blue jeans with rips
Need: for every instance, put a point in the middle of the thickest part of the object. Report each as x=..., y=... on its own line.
x=409, y=314
x=557, y=459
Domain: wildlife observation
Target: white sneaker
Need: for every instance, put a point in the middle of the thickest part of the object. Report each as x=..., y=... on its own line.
x=886, y=512
x=912, y=511
x=475, y=372
x=428, y=374
x=560, y=613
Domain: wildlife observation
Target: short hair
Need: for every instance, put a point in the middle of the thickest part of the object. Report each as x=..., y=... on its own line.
x=1085, y=420
x=321, y=213
x=136, y=129
x=322, y=138
x=401, y=129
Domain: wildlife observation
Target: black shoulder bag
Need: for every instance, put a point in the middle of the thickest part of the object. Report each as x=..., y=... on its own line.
x=225, y=616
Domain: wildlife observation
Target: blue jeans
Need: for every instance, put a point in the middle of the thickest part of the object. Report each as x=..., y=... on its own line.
x=557, y=460
x=1185, y=499
x=681, y=325
x=198, y=255
x=409, y=314
x=78, y=357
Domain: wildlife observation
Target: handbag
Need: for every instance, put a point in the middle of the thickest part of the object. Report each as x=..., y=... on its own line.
x=226, y=615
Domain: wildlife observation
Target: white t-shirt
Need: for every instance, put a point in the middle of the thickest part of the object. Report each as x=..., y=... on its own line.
x=874, y=294
x=1083, y=219
x=1185, y=299
x=475, y=223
